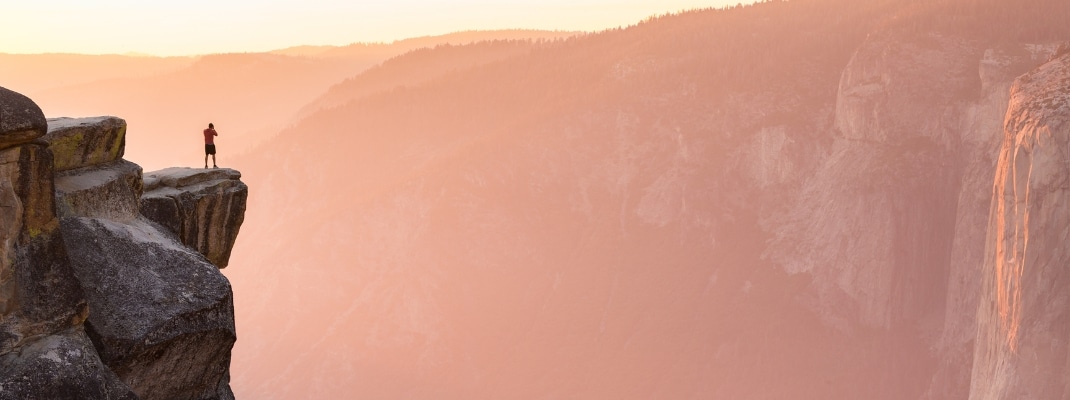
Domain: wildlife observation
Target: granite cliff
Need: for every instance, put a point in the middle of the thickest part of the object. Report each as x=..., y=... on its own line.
x=103, y=293
x=891, y=223
x=1022, y=348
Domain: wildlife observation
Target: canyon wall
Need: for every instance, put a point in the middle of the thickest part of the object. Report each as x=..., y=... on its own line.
x=1022, y=349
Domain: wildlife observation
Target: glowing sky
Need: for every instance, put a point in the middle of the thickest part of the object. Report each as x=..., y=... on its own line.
x=211, y=26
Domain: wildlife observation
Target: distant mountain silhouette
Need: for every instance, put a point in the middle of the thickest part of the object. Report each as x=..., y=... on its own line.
x=247, y=95
x=34, y=73
x=416, y=67
x=384, y=50
x=562, y=223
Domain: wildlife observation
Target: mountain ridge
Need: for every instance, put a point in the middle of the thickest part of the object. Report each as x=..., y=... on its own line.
x=558, y=199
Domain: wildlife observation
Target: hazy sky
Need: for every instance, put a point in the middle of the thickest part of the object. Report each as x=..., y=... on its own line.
x=210, y=26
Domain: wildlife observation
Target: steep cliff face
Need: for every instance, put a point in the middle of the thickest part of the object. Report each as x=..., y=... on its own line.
x=97, y=301
x=160, y=315
x=887, y=191
x=890, y=226
x=1022, y=349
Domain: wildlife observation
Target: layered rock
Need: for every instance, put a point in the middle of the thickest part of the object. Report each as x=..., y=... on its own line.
x=161, y=316
x=97, y=301
x=1022, y=346
x=110, y=190
x=43, y=350
x=205, y=208
x=38, y=294
x=81, y=142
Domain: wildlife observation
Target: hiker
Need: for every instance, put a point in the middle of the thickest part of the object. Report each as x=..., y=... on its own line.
x=209, y=144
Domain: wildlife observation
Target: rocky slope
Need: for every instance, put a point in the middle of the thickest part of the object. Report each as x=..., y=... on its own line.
x=1022, y=348
x=96, y=300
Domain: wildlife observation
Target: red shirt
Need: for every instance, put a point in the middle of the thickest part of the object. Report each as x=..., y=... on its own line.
x=208, y=133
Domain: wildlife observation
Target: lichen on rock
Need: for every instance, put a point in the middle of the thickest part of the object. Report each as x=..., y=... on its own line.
x=81, y=142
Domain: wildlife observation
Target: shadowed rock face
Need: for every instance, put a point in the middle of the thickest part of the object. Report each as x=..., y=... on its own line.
x=1022, y=346
x=60, y=366
x=161, y=316
x=204, y=207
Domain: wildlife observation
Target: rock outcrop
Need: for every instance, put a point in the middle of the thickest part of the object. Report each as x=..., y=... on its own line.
x=43, y=348
x=111, y=190
x=204, y=208
x=96, y=300
x=1022, y=345
x=161, y=316
x=80, y=142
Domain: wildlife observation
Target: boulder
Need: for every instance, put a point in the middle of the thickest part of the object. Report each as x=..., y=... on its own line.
x=204, y=207
x=82, y=142
x=60, y=366
x=111, y=190
x=21, y=120
x=160, y=316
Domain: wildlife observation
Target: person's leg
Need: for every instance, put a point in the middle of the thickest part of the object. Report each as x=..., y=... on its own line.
x=213, y=161
x=206, y=160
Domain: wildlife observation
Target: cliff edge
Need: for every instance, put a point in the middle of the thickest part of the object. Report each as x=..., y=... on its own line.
x=1022, y=349
x=100, y=297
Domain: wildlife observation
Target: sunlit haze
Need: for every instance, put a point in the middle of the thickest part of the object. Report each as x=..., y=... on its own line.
x=211, y=26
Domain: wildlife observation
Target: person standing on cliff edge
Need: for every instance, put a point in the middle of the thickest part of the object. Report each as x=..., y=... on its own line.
x=209, y=144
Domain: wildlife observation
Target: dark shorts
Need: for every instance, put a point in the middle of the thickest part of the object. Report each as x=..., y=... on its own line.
x=209, y=149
